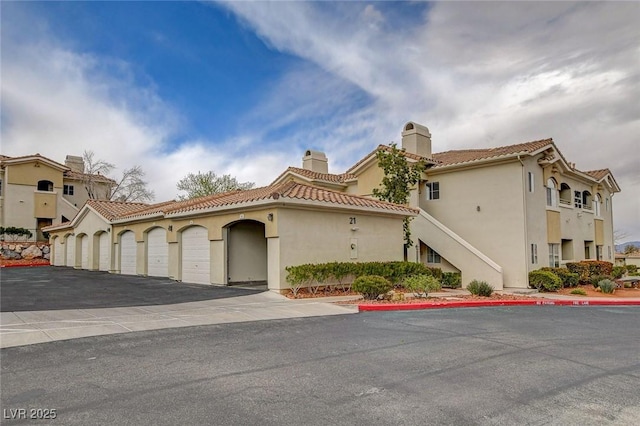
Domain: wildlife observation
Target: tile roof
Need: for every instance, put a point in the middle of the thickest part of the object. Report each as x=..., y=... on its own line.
x=4, y=158
x=468, y=155
x=114, y=209
x=598, y=174
x=388, y=149
x=288, y=190
x=71, y=174
x=324, y=177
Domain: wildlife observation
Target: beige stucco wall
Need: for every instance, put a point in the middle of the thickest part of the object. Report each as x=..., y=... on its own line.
x=31, y=173
x=44, y=204
x=485, y=206
x=368, y=179
x=323, y=236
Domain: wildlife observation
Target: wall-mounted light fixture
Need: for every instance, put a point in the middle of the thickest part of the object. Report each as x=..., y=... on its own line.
x=170, y=228
x=108, y=229
x=270, y=217
x=477, y=208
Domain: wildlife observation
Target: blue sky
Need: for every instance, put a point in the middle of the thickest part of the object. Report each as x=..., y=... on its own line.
x=245, y=87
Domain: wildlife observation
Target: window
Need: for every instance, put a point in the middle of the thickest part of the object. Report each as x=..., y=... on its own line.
x=596, y=204
x=586, y=200
x=552, y=193
x=433, y=256
x=609, y=251
x=45, y=185
x=606, y=204
x=587, y=250
x=565, y=194
x=433, y=190
x=577, y=199
x=554, y=255
x=0, y=188
x=534, y=253
x=530, y=182
x=599, y=252
x=567, y=249
x=67, y=190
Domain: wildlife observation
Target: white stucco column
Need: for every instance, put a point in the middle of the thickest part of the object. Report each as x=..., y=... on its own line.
x=174, y=260
x=275, y=279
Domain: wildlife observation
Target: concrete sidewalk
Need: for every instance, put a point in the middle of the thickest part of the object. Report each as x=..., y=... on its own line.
x=30, y=327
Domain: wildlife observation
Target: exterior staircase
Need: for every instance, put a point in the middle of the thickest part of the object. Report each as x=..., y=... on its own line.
x=473, y=264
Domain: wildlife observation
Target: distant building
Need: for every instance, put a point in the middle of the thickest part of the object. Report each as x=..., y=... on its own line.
x=36, y=191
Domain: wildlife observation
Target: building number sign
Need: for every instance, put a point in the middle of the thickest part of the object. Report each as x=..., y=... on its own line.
x=352, y=220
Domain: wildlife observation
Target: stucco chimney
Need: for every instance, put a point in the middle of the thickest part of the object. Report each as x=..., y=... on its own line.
x=75, y=163
x=416, y=139
x=315, y=161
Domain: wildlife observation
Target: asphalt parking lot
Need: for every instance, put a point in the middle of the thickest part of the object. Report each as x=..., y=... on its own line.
x=54, y=288
x=479, y=366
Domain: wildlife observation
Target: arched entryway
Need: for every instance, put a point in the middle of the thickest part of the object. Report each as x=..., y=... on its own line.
x=246, y=253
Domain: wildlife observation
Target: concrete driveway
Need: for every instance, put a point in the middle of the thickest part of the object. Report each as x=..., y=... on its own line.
x=48, y=288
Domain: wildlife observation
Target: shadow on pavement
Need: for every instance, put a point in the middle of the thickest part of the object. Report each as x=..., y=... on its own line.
x=55, y=288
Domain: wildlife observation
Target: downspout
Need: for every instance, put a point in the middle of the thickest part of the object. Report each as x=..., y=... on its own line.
x=524, y=211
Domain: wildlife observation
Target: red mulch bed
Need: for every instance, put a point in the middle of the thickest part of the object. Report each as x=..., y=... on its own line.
x=23, y=262
x=591, y=292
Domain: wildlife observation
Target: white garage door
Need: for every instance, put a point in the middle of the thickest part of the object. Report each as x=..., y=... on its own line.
x=195, y=250
x=105, y=252
x=157, y=253
x=58, y=252
x=128, y=253
x=84, y=245
x=71, y=250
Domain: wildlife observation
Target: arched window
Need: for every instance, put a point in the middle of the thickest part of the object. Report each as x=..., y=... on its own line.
x=565, y=194
x=552, y=192
x=45, y=185
x=597, y=204
x=586, y=200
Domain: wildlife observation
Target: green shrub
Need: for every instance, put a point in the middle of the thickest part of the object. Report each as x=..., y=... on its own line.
x=371, y=286
x=480, y=288
x=452, y=279
x=436, y=272
x=590, y=268
x=595, y=280
x=632, y=269
x=618, y=271
x=607, y=286
x=579, y=291
x=568, y=278
x=422, y=284
x=544, y=281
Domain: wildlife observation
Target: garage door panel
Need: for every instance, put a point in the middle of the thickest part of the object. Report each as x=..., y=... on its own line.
x=105, y=252
x=58, y=252
x=71, y=251
x=84, y=254
x=128, y=253
x=157, y=253
x=196, y=256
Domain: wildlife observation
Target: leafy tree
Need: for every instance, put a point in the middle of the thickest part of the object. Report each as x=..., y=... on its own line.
x=201, y=184
x=400, y=177
x=131, y=187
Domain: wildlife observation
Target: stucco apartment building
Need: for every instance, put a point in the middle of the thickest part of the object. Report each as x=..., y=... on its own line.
x=36, y=191
x=492, y=214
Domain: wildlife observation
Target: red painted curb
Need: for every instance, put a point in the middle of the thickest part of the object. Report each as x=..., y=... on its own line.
x=481, y=303
x=28, y=265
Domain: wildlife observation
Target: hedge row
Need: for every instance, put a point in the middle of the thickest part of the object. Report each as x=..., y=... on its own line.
x=342, y=274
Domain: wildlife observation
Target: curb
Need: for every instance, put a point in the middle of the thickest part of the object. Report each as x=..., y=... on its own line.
x=27, y=265
x=483, y=303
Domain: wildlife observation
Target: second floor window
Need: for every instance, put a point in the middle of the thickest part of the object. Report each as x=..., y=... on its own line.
x=433, y=190
x=45, y=185
x=552, y=193
x=577, y=199
x=67, y=190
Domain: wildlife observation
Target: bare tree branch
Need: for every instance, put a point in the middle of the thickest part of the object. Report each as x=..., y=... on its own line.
x=92, y=168
x=132, y=187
